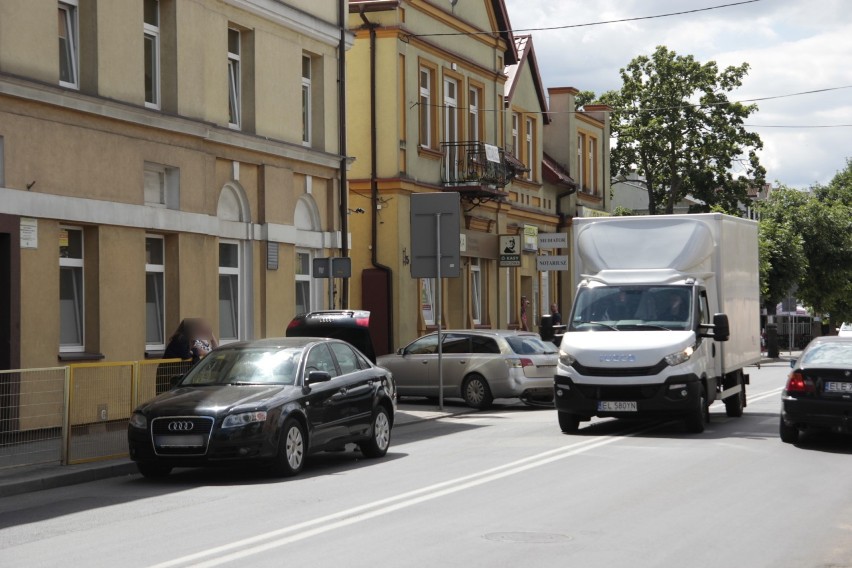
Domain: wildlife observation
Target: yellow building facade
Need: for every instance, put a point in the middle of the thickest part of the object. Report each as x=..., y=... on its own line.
x=171, y=159
x=442, y=98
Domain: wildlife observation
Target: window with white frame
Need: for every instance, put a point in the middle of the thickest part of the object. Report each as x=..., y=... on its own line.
x=475, y=291
x=229, y=290
x=161, y=186
x=529, y=136
x=581, y=142
x=151, y=41
x=425, y=107
x=474, y=134
x=71, y=314
x=69, y=48
x=234, y=104
x=2, y=164
x=155, y=303
x=427, y=300
x=306, y=100
x=303, y=282
x=592, y=170
x=451, y=111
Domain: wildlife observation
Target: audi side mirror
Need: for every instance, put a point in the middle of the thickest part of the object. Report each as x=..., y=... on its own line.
x=317, y=377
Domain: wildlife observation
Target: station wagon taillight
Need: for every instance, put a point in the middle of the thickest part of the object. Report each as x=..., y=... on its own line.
x=799, y=384
x=520, y=363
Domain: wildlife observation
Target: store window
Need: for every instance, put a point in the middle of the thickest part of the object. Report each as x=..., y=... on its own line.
x=71, y=296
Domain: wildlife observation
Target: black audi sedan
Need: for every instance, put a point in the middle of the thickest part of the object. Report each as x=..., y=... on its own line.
x=273, y=401
x=819, y=389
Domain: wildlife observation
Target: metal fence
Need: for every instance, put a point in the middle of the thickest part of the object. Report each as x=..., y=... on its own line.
x=77, y=413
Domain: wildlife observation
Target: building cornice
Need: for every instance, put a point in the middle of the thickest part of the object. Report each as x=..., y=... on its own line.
x=296, y=20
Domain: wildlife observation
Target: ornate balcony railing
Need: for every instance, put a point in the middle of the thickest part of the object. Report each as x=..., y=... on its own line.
x=476, y=164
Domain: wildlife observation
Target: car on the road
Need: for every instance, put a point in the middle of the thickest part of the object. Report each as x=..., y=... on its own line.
x=272, y=401
x=818, y=393
x=845, y=330
x=478, y=366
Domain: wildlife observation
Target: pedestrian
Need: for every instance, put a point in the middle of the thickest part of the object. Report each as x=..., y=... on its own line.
x=524, y=304
x=193, y=339
x=555, y=316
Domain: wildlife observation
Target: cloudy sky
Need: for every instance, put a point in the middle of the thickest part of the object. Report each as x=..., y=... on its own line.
x=791, y=45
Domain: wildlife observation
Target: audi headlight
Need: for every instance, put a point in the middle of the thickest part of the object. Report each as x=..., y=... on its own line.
x=680, y=356
x=244, y=418
x=566, y=358
x=138, y=420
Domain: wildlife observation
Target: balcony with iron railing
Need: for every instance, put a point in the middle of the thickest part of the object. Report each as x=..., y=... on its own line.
x=477, y=169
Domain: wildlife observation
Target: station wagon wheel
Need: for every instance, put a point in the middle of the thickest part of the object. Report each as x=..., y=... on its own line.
x=292, y=448
x=476, y=392
x=153, y=470
x=380, y=434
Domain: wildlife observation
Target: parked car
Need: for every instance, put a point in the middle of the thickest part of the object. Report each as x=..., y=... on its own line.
x=270, y=400
x=352, y=326
x=845, y=330
x=478, y=366
x=819, y=389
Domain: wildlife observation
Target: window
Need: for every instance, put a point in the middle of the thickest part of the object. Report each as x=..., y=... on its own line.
x=229, y=291
x=162, y=186
x=426, y=122
x=69, y=49
x=423, y=346
x=529, y=150
x=234, y=106
x=451, y=112
x=319, y=359
x=475, y=291
x=303, y=283
x=71, y=289
x=2, y=164
x=455, y=343
x=515, y=149
x=473, y=130
x=581, y=170
x=151, y=39
x=592, y=170
x=155, y=305
x=306, y=100
x=347, y=360
x=427, y=300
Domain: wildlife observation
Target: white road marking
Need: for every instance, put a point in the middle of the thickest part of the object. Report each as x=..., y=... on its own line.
x=256, y=544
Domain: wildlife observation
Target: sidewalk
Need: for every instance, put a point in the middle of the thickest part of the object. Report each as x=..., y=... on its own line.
x=14, y=481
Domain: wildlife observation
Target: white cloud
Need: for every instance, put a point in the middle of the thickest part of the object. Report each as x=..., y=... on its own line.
x=791, y=46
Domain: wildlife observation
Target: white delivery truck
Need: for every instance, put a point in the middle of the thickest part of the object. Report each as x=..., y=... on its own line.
x=665, y=318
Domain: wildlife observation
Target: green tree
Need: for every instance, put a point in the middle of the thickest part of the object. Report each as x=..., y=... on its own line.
x=675, y=126
x=583, y=98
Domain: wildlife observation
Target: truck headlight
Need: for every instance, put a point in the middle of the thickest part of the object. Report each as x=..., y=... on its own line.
x=680, y=356
x=244, y=418
x=566, y=358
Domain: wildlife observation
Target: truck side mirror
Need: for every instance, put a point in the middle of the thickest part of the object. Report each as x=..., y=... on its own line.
x=721, y=329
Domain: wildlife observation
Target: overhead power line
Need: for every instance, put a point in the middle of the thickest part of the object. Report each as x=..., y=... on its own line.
x=589, y=24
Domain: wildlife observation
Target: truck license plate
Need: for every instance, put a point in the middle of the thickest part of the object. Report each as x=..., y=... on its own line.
x=617, y=406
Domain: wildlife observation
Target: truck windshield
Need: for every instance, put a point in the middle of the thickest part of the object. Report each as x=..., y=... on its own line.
x=631, y=308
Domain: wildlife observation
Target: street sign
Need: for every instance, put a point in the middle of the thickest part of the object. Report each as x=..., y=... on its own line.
x=550, y=241
x=340, y=267
x=551, y=262
x=510, y=250
x=428, y=212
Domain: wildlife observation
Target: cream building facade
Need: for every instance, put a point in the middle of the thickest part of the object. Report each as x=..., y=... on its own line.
x=170, y=159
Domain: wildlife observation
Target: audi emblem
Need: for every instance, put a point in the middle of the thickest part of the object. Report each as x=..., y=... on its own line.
x=181, y=426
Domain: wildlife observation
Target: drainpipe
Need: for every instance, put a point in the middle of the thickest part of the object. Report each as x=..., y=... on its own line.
x=341, y=129
x=374, y=185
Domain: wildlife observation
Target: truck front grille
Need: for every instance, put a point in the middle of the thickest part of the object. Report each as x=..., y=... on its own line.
x=619, y=371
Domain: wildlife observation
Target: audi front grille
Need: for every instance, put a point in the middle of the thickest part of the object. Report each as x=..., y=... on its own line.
x=181, y=435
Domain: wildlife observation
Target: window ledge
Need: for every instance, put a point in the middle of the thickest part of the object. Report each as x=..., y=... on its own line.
x=80, y=356
x=154, y=354
x=430, y=153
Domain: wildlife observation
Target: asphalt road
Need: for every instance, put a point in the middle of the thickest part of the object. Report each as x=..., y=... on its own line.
x=497, y=488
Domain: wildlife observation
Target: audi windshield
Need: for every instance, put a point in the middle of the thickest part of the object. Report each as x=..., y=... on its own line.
x=623, y=308
x=246, y=367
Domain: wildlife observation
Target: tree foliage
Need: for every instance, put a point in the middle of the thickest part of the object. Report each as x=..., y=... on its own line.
x=583, y=98
x=675, y=126
x=806, y=240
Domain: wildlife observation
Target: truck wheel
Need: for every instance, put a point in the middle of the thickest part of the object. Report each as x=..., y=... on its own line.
x=476, y=392
x=734, y=404
x=789, y=433
x=696, y=420
x=569, y=423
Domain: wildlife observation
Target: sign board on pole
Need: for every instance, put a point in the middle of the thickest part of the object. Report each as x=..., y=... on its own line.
x=428, y=211
x=341, y=267
x=549, y=241
x=510, y=250
x=551, y=262
x=530, y=238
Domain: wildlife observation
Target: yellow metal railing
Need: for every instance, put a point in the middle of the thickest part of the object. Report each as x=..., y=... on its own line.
x=78, y=413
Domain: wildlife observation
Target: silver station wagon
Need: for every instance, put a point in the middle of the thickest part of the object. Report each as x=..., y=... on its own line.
x=478, y=366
